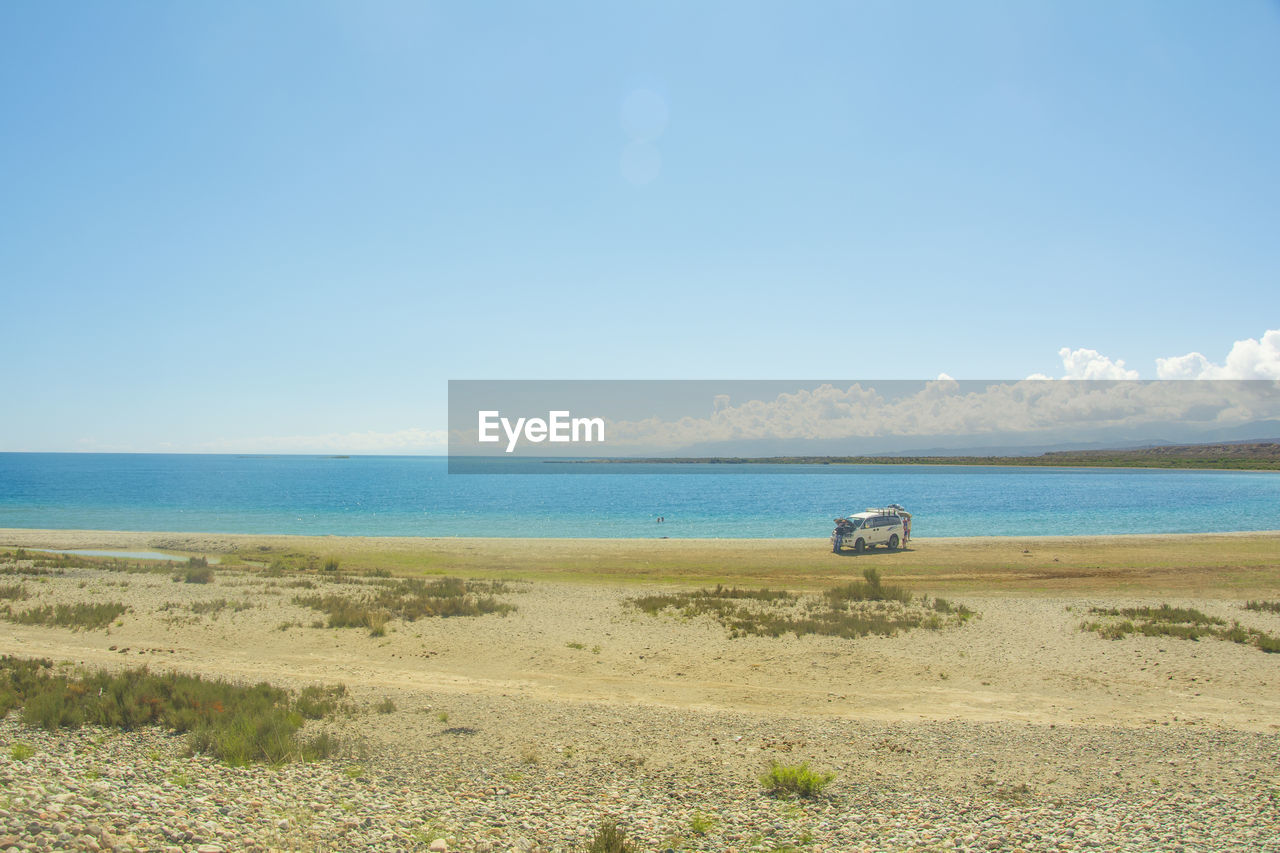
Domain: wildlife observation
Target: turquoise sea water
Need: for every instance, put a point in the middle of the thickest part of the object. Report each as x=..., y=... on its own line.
x=416, y=496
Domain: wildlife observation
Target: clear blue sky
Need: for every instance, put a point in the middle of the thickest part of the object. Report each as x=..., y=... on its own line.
x=227, y=221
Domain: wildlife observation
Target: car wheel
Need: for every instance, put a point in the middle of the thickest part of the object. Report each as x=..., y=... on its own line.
x=859, y=546
x=893, y=542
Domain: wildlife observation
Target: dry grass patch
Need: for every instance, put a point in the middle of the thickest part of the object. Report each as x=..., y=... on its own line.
x=408, y=599
x=81, y=617
x=1263, y=606
x=610, y=838
x=13, y=592
x=211, y=607
x=1183, y=623
x=850, y=610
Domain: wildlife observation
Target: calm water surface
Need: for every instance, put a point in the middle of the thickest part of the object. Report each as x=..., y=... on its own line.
x=416, y=496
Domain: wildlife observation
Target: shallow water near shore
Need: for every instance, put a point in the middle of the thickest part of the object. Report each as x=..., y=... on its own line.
x=416, y=496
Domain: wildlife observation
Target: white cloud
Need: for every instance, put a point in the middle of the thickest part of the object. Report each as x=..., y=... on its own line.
x=1091, y=364
x=1248, y=359
x=1193, y=365
x=945, y=407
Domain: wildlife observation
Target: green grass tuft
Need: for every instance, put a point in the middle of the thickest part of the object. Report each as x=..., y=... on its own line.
x=795, y=780
x=318, y=701
x=701, y=824
x=609, y=838
x=868, y=589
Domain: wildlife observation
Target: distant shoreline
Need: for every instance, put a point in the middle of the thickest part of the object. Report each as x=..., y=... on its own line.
x=921, y=462
x=1242, y=456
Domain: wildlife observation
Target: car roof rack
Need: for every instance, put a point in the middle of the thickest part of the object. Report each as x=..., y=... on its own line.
x=891, y=509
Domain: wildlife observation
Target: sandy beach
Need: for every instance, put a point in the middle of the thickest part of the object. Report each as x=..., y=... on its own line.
x=1211, y=564
x=580, y=706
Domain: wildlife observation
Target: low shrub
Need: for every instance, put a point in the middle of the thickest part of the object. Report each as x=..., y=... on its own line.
x=1268, y=643
x=238, y=724
x=945, y=607
x=198, y=571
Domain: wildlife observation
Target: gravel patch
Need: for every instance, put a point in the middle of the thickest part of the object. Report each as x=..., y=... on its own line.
x=927, y=786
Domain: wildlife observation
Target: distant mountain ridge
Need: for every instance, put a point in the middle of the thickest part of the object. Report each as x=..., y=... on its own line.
x=1258, y=454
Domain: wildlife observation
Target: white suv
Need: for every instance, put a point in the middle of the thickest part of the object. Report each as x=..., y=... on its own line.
x=863, y=530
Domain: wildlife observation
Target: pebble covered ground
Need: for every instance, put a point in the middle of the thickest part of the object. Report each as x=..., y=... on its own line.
x=925, y=786
x=1017, y=731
